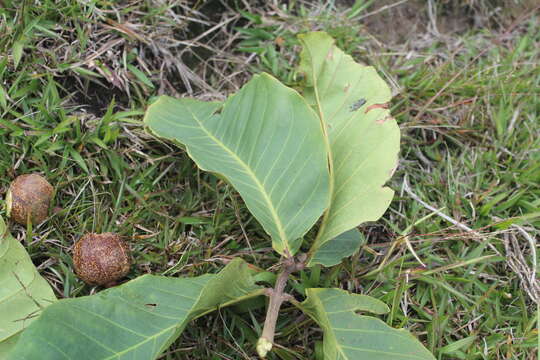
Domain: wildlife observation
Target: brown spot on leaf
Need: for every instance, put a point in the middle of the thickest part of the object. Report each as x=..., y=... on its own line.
x=376, y=106
x=383, y=120
x=330, y=55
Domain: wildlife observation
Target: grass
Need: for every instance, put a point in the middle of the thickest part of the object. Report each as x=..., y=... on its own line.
x=74, y=83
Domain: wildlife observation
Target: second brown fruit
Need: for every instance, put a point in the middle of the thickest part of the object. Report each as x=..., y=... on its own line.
x=101, y=259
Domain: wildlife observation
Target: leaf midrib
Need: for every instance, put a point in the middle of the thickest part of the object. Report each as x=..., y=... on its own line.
x=179, y=324
x=327, y=323
x=249, y=171
x=331, y=180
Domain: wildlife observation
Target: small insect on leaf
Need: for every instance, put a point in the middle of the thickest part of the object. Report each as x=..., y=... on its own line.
x=357, y=104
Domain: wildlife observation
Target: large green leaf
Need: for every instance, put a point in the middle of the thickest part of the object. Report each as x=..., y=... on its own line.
x=23, y=292
x=349, y=336
x=267, y=142
x=7, y=345
x=137, y=320
x=363, y=138
x=331, y=252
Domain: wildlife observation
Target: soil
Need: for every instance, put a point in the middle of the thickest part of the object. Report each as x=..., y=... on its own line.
x=398, y=22
x=401, y=21
x=91, y=96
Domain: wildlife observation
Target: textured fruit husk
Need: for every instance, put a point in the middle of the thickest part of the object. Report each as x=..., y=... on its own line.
x=101, y=259
x=28, y=199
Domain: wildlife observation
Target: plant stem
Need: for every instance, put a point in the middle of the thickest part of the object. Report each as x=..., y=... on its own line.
x=277, y=296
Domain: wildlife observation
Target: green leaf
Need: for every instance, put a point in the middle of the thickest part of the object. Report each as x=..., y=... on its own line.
x=363, y=138
x=3, y=98
x=78, y=159
x=7, y=345
x=331, y=252
x=267, y=142
x=141, y=76
x=23, y=292
x=17, y=52
x=348, y=335
x=137, y=320
x=458, y=345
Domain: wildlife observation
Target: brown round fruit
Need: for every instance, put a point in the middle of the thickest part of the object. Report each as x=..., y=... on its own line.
x=28, y=199
x=101, y=259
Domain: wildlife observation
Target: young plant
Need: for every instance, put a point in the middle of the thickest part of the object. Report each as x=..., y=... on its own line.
x=293, y=157
x=319, y=154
